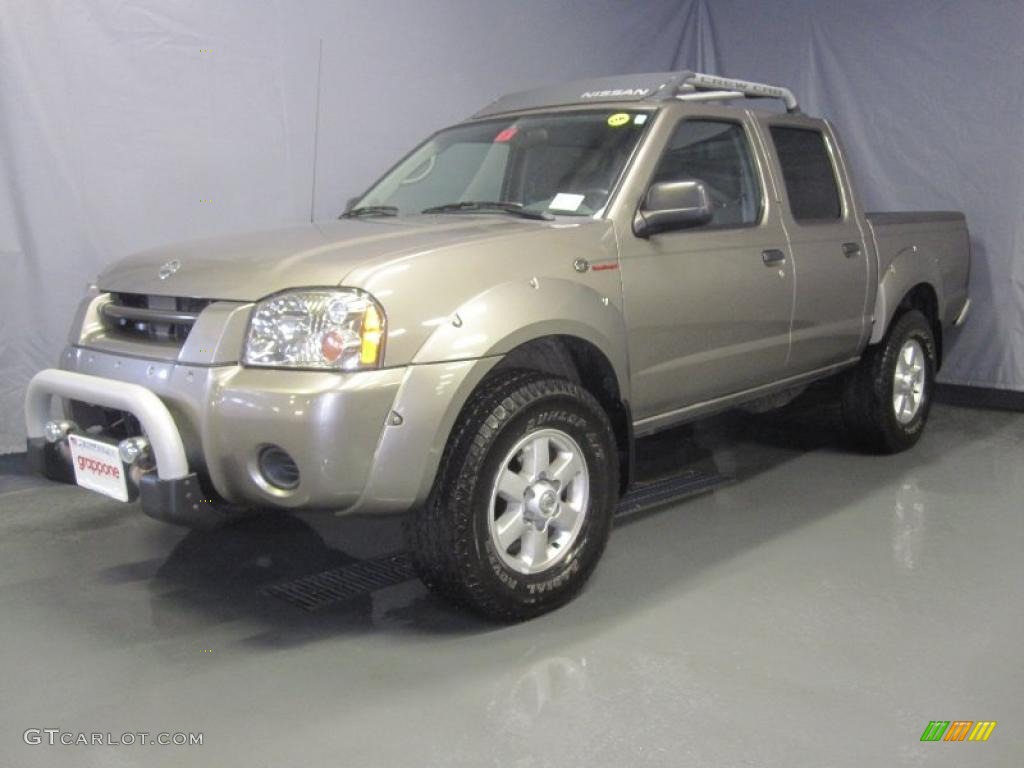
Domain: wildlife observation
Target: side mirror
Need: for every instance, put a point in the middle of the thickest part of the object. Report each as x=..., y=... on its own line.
x=351, y=202
x=672, y=205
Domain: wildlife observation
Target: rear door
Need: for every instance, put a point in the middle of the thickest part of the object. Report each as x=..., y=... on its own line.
x=827, y=240
x=708, y=308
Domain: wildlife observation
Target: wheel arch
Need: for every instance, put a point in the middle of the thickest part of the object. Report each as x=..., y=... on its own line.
x=553, y=325
x=924, y=298
x=911, y=280
x=434, y=395
x=583, y=362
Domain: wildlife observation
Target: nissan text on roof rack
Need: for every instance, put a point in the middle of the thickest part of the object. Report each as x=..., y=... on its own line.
x=480, y=338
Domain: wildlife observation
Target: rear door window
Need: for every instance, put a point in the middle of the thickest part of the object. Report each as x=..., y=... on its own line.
x=808, y=173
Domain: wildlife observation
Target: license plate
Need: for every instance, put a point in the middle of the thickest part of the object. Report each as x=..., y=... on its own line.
x=98, y=467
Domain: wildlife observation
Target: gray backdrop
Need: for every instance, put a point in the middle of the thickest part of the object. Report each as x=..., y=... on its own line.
x=128, y=125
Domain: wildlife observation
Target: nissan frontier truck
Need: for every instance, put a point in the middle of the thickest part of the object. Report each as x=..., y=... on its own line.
x=480, y=338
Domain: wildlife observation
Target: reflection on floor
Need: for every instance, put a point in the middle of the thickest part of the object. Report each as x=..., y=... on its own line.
x=820, y=608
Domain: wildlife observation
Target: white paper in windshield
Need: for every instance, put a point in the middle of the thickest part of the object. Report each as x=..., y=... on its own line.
x=565, y=201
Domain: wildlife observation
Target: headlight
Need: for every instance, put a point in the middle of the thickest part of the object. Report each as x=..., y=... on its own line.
x=332, y=329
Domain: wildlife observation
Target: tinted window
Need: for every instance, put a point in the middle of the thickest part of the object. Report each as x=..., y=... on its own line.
x=717, y=154
x=808, y=173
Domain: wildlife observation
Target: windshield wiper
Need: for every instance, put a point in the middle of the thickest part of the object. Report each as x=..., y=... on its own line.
x=370, y=210
x=484, y=206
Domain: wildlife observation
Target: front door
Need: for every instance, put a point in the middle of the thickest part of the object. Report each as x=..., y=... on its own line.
x=708, y=308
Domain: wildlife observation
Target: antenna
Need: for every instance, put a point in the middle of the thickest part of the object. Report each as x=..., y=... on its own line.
x=316, y=130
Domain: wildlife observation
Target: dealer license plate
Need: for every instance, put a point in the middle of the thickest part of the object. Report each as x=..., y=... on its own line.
x=98, y=467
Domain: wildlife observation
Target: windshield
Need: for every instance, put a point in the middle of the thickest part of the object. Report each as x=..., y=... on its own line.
x=562, y=163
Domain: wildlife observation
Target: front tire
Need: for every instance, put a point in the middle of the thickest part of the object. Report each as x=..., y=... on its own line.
x=887, y=397
x=521, y=510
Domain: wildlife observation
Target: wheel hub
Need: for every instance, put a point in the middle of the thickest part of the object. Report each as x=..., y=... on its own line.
x=540, y=503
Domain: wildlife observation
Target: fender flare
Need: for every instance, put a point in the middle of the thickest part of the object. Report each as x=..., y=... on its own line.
x=909, y=268
x=542, y=307
x=459, y=354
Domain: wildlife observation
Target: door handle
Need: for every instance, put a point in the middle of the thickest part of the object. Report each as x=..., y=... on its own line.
x=851, y=249
x=772, y=256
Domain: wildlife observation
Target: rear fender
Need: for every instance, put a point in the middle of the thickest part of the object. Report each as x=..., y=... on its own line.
x=910, y=267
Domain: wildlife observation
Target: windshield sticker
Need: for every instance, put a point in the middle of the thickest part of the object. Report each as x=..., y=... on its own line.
x=565, y=201
x=640, y=119
x=506, y=135
x=619, y=118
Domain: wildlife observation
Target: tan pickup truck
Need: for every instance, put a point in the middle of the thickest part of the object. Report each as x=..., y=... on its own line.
x=481, y=337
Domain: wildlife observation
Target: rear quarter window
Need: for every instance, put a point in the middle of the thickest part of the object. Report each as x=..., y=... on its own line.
x=808, y=173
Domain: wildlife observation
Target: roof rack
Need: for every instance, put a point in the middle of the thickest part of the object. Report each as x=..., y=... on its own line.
x=697, y=86
x=688, y=86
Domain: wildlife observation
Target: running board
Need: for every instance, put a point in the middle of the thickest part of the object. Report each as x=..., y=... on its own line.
x=668, y=490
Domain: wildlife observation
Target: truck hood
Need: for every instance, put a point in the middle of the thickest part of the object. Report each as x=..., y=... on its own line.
x=250, y=266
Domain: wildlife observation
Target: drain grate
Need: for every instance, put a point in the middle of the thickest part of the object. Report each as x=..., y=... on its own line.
x=670, y=489
x=319, y=590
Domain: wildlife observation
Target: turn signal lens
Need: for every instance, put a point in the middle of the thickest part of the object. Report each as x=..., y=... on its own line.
x=373, y=330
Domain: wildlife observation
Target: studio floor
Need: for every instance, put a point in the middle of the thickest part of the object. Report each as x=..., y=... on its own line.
x=818, y=610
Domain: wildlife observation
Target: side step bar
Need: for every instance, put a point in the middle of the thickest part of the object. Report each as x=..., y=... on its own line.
x=668, y=490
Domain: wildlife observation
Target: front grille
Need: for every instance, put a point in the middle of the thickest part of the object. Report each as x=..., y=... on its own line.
x=141, y=317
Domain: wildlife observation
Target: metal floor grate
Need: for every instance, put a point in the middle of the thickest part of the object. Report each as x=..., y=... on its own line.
x=321, y=590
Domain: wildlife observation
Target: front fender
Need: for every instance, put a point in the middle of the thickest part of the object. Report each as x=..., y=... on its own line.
x=502, y=318
x=410, y=448
x=461, y=351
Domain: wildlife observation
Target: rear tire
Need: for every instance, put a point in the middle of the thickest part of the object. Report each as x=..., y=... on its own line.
x=522, y=507
x=886, y=399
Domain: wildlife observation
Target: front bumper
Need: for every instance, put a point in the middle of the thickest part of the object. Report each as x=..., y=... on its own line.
x=181, y=501
x=208, y=424
x=336, y=427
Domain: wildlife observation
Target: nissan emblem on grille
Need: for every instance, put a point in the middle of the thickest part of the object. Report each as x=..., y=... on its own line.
x=169, y=268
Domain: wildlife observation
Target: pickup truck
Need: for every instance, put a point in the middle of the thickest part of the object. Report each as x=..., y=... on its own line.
x=481, y=337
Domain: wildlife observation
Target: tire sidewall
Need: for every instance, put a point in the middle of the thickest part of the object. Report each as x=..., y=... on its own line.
x=562, y=580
